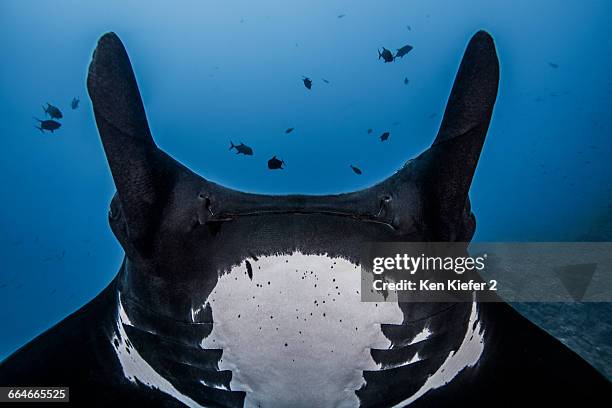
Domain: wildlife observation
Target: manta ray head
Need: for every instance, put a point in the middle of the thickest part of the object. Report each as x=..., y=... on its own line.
x=186, y=239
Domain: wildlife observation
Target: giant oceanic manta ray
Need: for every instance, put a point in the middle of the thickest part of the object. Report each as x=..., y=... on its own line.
x=232, y=299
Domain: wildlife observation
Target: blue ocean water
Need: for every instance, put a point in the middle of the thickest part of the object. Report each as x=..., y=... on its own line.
x=211, y=72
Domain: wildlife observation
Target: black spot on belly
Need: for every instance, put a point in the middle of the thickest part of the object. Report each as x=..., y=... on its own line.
x=249, y=270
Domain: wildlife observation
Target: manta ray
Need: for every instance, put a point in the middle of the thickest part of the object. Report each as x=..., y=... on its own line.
x=232, y=299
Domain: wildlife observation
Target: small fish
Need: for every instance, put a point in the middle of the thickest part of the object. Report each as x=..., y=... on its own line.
x=275, y=164
x=49, y=125
x=356, y=170
x=241, y=148
x=341, y=15
x=75, y=103
x=370, y=131
x=553, y=65
x=289, y=130
x=325, y=80
x=406, y=81
x=403, y=51
x=386, y=55
x=384, y=136
x=307, y=82
x=53, y=111
x=409, y=28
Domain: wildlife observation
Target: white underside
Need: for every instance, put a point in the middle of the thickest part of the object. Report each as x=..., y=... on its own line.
x=467, y=355
x=136, y=368
x=285, y=349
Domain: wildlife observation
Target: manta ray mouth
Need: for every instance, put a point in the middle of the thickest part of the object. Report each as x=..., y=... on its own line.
x=369, y=218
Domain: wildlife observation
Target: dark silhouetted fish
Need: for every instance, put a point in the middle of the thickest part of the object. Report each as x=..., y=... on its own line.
x=325, y=80
x=75, y=103
x=403, y=51
x=384, y=136
x=307, y=82
x=241, y=148
x=553, y=65
x=275, y=164
x=409, y=28
x=356, y=170
x=49, y=125
x=406, y=81
x=53, y=111
x=289, y=130
x=385, y=55
x=341, y=15
x=370, y=131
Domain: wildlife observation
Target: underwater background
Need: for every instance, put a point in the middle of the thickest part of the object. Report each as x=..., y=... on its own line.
x=211, y=72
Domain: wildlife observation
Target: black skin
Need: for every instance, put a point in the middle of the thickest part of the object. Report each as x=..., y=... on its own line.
x=179, y=231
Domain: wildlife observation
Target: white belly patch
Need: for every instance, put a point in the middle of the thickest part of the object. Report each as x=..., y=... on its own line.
x=297, y=334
